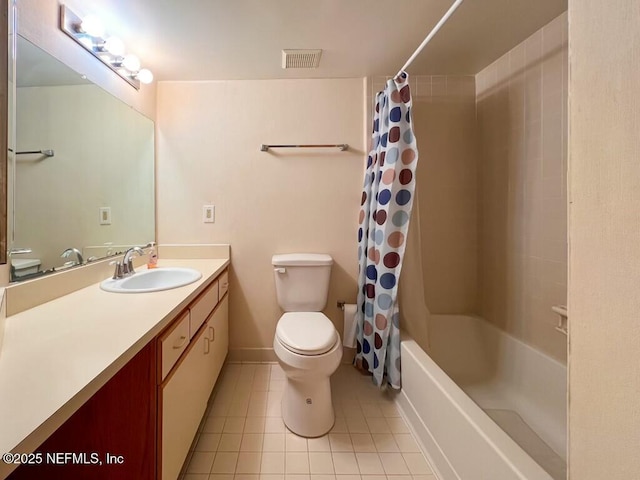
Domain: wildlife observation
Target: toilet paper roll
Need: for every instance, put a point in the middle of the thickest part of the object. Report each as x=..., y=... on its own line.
x=349, y=332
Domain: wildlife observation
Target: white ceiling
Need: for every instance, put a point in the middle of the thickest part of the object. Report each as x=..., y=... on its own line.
x=243, y=39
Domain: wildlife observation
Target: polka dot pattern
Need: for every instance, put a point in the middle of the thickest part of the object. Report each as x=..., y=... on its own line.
x=392, y=156
x=384, y=196
x=388, y=177
x=368, y=328
x=396, y=240
x=388, y=281
x=400, y=218
x=391, y=260
x=372, y=274
x=403, y=197
x=386, y=202
x=405, y=177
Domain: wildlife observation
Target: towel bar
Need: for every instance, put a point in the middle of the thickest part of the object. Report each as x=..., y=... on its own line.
x=341, y=146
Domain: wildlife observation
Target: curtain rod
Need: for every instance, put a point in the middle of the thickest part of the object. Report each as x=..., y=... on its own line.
x=428, y=38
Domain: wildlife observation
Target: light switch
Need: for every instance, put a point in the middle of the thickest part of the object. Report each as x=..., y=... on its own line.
x=105, y=215
x=208, y=214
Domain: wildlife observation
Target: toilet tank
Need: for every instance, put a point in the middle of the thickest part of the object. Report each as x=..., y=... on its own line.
x=302, y=281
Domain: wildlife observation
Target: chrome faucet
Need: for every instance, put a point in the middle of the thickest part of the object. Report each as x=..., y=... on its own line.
x=127, y=260
x=73, y=251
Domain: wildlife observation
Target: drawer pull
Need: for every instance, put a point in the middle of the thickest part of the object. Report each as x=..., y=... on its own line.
x=212, y=331
x=225, y=284
x=207, y=346
x=182, y=341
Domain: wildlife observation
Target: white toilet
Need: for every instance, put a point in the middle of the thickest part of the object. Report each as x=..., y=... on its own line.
x=306, y=343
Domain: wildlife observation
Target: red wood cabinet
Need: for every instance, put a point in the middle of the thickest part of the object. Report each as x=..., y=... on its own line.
x=120, y=419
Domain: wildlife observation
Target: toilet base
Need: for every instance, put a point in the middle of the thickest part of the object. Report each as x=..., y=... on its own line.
x=307, y=409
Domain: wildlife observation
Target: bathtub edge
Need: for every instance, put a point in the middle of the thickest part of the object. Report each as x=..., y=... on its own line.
x=442, y=468
x=509, y=460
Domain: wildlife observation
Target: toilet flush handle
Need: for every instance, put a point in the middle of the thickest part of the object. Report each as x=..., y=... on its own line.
x=280, y=270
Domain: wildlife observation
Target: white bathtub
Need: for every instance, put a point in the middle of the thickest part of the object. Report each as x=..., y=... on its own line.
x=523, y=389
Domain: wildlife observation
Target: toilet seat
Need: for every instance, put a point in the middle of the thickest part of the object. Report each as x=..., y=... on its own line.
x=306, y=333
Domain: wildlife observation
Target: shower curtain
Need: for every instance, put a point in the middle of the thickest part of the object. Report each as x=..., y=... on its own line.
x=387, y=198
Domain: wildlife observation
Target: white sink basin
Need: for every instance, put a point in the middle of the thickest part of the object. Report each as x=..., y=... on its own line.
x=152, y=280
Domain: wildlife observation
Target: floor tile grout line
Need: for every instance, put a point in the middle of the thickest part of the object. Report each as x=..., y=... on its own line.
x=373, y=415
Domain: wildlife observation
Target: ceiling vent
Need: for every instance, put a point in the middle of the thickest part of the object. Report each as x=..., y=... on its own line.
x=301, y=58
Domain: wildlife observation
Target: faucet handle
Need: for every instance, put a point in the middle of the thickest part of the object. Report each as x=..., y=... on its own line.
x=117, y=273
x=127, y=260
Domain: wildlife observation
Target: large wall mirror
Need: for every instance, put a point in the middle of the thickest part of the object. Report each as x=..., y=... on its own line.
x=84, y=169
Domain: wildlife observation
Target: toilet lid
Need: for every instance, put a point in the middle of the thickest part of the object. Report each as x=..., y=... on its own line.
x=306, y=333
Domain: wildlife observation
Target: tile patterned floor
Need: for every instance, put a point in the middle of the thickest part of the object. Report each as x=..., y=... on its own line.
x=242, y=436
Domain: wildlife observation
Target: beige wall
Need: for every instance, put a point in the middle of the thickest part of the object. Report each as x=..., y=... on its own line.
x=522, y=127
x=103, y=158
x=604, y=233
x=209, y=135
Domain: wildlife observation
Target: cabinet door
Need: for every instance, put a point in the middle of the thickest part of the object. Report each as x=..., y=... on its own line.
x=183, y=403
x=173, y=344
x=120, y=420
x=217, y=331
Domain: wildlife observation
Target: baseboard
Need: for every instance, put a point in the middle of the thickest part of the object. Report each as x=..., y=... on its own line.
x=348, y=354
x=252, y=355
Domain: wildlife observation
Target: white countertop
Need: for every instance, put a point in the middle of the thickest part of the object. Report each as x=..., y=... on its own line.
x=55, y=356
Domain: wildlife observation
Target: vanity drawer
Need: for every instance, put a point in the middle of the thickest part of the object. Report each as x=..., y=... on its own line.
x=224, y=283
x=202, y=307
x=173, y=343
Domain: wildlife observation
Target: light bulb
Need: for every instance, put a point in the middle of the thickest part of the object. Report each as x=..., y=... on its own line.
x=145, y=76
x=131, y=63
x=92, y=25
x=115, y=46
x=87, y=42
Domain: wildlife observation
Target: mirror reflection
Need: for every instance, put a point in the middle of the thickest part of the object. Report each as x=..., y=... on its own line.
x=84, y=171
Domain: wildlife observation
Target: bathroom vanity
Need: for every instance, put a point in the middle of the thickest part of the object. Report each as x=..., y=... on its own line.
x=119, y=380
x=191, y=352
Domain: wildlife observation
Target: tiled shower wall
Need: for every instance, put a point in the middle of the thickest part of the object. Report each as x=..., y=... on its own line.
x=491, y=203
x=522, y=131
x=444, y=117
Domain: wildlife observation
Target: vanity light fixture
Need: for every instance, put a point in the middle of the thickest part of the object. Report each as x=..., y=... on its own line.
x=114, y=46
x=90, y=33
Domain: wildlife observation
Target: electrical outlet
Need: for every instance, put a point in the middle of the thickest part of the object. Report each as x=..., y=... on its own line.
x=105, y=216
x=208, y=214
